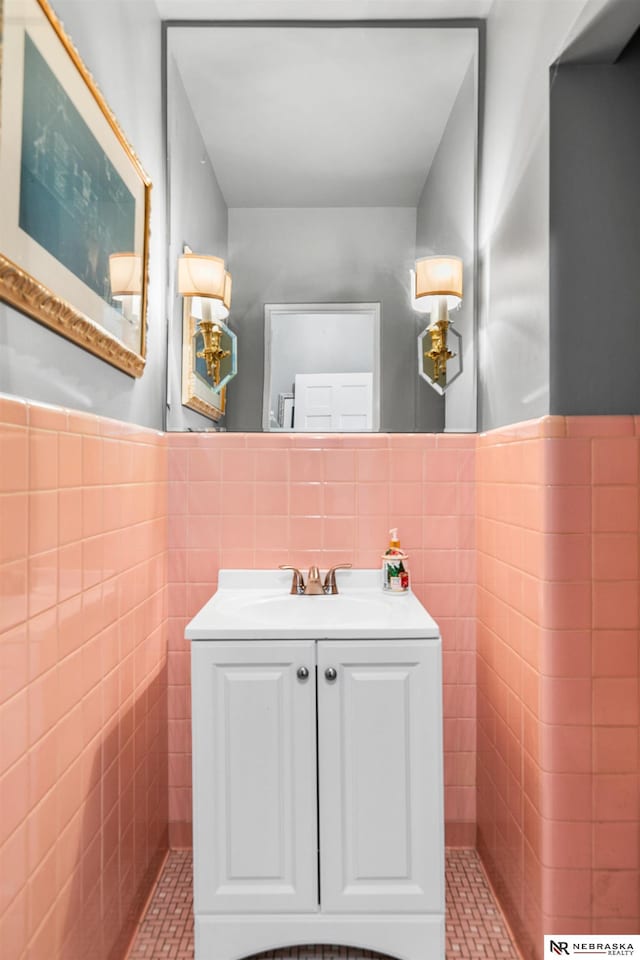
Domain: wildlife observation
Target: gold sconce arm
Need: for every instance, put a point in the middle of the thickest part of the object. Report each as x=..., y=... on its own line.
x=211, y=353
x=439, y=352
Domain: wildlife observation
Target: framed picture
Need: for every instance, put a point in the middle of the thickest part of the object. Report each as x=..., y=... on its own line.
x=198, y=391
x=73, y=194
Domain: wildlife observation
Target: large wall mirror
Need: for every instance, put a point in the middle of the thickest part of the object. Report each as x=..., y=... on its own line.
x=320, y=160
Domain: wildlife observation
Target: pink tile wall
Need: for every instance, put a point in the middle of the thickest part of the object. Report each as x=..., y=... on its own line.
x=558, y=702
x=257, y=500
x=86, y=682
x=83, y=770
x=511, y=569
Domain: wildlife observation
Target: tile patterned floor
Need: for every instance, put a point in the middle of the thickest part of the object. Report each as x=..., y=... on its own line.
x=475, y=927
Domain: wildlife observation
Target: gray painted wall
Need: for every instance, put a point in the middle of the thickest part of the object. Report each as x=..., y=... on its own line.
x=198, y=217
x=37, y=363
x=445, y=225
x=312, y=255
x=523, y=40
x=602, y=31
x=595, y=235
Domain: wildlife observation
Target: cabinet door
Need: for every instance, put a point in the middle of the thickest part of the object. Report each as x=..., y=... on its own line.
x=380, y=775
x=254, y=772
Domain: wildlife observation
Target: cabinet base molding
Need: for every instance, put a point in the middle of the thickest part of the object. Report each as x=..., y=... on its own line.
x=406, y=937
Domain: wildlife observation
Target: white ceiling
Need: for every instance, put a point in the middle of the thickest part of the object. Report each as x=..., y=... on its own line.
x=321, y=116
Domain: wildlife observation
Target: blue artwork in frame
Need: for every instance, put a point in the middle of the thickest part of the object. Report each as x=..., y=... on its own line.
x=73, y=201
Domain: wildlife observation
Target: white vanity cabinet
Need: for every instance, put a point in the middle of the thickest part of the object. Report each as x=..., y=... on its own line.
x=317, y=784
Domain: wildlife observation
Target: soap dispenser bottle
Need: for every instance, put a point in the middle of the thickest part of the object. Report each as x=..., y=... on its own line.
x=395, y=576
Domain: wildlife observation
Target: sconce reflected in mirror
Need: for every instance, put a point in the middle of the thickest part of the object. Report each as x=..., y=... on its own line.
x=437, y=290
x=206, y=286
x=210, y=316
x=125, y=278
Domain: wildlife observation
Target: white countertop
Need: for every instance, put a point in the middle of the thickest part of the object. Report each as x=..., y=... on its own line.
x=257, y=605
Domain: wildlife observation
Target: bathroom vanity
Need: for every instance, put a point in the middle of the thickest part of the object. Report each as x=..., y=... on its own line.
x=317, y=769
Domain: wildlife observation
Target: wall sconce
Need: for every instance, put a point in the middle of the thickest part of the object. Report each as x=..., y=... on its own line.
x=437, y=289
x=210, y=312
x=207, y=284
x=211, y=308
x=125, y=278
x=201, y=276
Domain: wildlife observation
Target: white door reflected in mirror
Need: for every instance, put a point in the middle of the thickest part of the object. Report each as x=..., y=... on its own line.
x=322, y=367
x=330, y=402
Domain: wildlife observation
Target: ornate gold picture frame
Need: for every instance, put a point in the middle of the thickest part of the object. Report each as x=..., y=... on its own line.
x=73, y=193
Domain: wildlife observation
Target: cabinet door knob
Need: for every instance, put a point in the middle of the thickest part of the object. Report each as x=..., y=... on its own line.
x=331, y=674
x=302, y=673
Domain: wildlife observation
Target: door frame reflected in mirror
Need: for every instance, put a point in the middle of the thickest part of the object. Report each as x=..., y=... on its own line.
x=275, y=311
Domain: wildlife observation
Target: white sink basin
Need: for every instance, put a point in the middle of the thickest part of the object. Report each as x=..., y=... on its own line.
x=256, y=604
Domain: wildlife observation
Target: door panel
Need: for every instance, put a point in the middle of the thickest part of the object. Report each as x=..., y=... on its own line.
x=379, y=791
x=253, y=760
x=255, y=827
x=333, y=401
x=380, y=772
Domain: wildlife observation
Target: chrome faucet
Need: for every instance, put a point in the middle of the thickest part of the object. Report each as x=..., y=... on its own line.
x=313, y=586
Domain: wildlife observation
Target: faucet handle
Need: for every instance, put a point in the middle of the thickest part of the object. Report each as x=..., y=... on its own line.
x=297, y=581
x=330, y=585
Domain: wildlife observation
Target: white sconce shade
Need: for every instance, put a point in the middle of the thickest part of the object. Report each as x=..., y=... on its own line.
x=422, y=305
x=125, y=275
x=439, y=277
x=204, y=308
x=200, y=276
